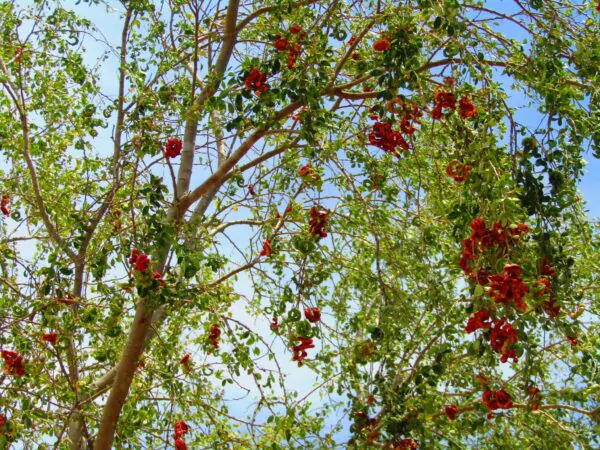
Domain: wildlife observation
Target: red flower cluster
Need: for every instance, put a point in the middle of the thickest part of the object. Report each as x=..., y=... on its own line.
x=466, y=108
x=381, y=45
x=443, y=100
x=180, y=444
x=469, y=253
x=545, y=287
x=503, y=338
x=313, y=315
x=173, y=147
x=546, y=269
x=308, y=174
x=274, y=323
x=156, y=276
x=300, y=350
x=369, y=426
x=214, y=335
x=452, y=411
x=496, y=400
x=483, y=238
x=3, y=206
x=18, y=53
x=266, y=250
x=296, y=29
x=294, y=49
x=306, y=171
x=280, y=43
x=2, y=420
x=507, y=235
x=372, y=433
x=139, y=260
x=480, y=321
x=257, y=81
x=181, y=428
x=410, y=114
x=185, y=362
x=13, y=363
x=406, y=444
x=387, y=139
x=458, y=171
x=318, y=221
x=550, y=308
x=409, y=119
x=480, y=233
x=509, y=288
x=51, y=337
x=447, y=100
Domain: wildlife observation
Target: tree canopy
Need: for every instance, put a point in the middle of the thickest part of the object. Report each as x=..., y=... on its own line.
x=298, y=224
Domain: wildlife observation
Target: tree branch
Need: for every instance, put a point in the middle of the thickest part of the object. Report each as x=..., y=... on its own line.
x=76, y=419
x=123, y=377
x=218, y=177
x=41, y=206
x=134, y=347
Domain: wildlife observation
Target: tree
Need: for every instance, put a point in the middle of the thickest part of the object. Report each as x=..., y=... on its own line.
x=380, y=195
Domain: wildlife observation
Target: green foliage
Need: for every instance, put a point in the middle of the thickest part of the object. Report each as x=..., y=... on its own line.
x=330, y=304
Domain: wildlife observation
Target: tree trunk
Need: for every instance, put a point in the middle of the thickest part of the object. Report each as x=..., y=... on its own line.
x=124, y=376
